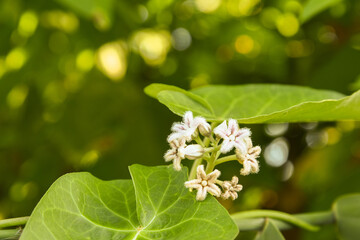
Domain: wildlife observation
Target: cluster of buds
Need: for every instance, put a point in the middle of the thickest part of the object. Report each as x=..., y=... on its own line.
x=228, y=136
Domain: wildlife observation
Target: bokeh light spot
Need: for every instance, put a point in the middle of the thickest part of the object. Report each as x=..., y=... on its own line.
x=89, y=158
x=287, y=24
x=317, y=139
x=200, y=80
x=207, y=6
x=269, y=16
x=111, y=60
x=15, y=59
x=288, y=171
x=85, y=60
x=67, y=22
x=277, y=152
x=276, y=129
x=17, y=96
x=327, y=34
x=244, y=44
x=28, y=23
x=181, y=39
x=247, y=7
x=143, y=13
x=153, y=46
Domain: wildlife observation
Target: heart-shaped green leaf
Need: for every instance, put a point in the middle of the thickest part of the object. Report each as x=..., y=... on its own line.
x=259, y=103
x=347, y=214
x=270, y=232
x=80, y=206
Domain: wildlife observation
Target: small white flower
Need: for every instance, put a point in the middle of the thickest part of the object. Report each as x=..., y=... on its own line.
x=232, y=136
x=187, y=129
x=248, y=159
x=179, y=150
x=231, y=188
x=204, y=183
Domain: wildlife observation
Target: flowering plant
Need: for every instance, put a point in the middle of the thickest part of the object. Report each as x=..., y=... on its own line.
x=159, y=202
x=227, y=137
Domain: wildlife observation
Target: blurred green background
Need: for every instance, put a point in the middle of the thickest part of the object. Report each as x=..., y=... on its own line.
x=72, y=75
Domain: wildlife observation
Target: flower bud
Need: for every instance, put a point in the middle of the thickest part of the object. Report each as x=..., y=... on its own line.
x=193, y=151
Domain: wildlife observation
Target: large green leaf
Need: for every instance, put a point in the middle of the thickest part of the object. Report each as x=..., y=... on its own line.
x=80, y=206
x=167, y=210
x=347, y=215
x=270, y=232
x=313, y=7
x=259, y=103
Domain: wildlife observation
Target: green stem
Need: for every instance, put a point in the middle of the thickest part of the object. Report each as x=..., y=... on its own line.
x=13, y=222
x=196, y=163
x=242, y=217
x=226, y=159
x=316, y=218
x=199, y=141
x=211, y=163
x=9, y=233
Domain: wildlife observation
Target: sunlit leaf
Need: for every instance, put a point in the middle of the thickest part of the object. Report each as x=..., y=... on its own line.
x=270, y=232
x=347, y=215
x=313, y=7
x=259, y=103
x=80, y=206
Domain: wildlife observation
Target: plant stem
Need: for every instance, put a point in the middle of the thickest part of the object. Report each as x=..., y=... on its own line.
x=211, y=163
x=226, y=159
x=196, y=163
x=316, y=218
x=199, y=141
x=13, y=222
x=9, y=233
x=306, y=221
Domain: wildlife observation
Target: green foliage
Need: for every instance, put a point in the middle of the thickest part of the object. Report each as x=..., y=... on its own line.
x=100, y=11
x=347, y=215
x=314, y=7
x=270, y=232
x=61, y=111
x=156, y=205
x=259, y=103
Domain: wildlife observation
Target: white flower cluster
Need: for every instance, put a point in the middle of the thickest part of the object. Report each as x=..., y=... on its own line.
x=228, y=136
x=184, y=132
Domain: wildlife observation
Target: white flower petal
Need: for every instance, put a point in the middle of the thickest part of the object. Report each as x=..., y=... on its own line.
x=177, y=164
x=169, y=155
x=240, y=145
x=243, y=133
x=233, y=126
x=188, y=118
x=200, y=172
x=211, y=177
x=226, y=146
x=178, y=127
x=221, y=130
x=201, y=194
x=195, y=183
x=214, y=190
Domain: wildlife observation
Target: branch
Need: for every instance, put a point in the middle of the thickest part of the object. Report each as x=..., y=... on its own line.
x=254, y=220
